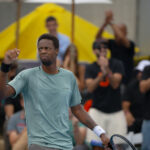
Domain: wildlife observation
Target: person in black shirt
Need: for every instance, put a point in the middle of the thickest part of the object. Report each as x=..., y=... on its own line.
x=121, y=47
x=103, y=79
x=133, y=100
x=145, y=88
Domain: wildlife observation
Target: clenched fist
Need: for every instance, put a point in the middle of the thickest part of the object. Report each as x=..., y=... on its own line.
x=11, y=56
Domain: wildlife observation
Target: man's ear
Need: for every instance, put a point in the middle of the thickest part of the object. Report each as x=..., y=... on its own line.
x=57, y=51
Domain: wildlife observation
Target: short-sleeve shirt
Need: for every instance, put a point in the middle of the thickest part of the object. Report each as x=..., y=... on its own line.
x=133, y=95
x=105, y=98
x=63, y=45
x=15, y=102
x=47, y=99
x=124, y=54
x=17, y=122
x=145, y=76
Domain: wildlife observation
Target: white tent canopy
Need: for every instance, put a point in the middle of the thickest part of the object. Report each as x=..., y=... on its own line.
x=62, y=1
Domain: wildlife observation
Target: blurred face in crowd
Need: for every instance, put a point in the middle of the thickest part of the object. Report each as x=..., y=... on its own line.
x=52, y=27
x=101, y=52
x=123, y=28
x=47, y=52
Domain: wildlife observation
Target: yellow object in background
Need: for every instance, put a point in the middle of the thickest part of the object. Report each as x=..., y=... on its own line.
x=33, y=25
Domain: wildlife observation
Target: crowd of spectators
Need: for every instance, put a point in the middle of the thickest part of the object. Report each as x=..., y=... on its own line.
x=119, y=92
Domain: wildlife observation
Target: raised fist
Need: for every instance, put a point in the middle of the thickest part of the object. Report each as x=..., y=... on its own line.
x=108, y=16
x=11, y=56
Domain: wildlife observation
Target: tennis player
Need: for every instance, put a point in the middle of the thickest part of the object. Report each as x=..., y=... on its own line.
x=48, y=92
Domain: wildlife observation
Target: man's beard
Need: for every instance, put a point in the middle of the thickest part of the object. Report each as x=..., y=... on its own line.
x=46, y=63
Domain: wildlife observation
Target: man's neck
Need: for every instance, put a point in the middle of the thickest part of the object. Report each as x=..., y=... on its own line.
x=52, y=69
x=54, y=34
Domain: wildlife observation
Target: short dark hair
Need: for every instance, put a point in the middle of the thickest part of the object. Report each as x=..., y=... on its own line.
x=50, y=18
x=97, y=44
x=49, y=37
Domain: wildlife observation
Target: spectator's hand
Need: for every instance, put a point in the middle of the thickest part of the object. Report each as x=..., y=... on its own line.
x=11, y=56
x=108, y=16
x=104, y=65
x=130, y=119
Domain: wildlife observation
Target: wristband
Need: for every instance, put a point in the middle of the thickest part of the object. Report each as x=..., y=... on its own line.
x=5, y=67
x=98, y=131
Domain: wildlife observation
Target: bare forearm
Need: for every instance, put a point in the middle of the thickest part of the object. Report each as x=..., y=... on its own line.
x=94, y=83
x=21, y=143
x=145, y=85
x=83, y=116
x=119, y=35
x=101, y=30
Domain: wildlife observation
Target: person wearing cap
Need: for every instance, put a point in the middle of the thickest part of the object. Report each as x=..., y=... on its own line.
x=133, y=100
x=121, y=47
x=103, y=79
x=145, y=89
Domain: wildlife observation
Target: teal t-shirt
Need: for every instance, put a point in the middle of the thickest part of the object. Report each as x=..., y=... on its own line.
x=47, y=99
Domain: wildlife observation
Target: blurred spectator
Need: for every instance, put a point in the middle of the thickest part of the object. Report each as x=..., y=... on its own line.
x=133, y=100
x=77, y=132
x=145, y=88
x=103, y=79
x=52, y=25
x=17, y=131
x=121, y=47
x=71, y=63
x=10, y=105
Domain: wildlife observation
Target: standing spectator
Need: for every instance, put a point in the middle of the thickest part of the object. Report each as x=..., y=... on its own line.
x=133, y=100
x=145, y=88
x=71, y=63
x=103, y=79
x=121, y=47
x=17, y=131
x=52, y=25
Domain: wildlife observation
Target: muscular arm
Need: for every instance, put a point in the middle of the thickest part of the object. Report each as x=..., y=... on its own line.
x=145, y=85
x=100, y=31
x=92, y=84
x=5, y=90
x=119, y=35
x=83, y=116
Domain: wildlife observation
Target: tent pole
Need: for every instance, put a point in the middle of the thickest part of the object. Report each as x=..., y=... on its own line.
x=73, y=21
x=18, y=14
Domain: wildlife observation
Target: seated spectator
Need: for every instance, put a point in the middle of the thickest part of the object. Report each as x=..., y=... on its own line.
x=145, y=88
x=17, y=131
x=103, y=79
x=133, y=100
x=70, y=62
x=10, y=105
x=78, y=133
x=121, y=47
